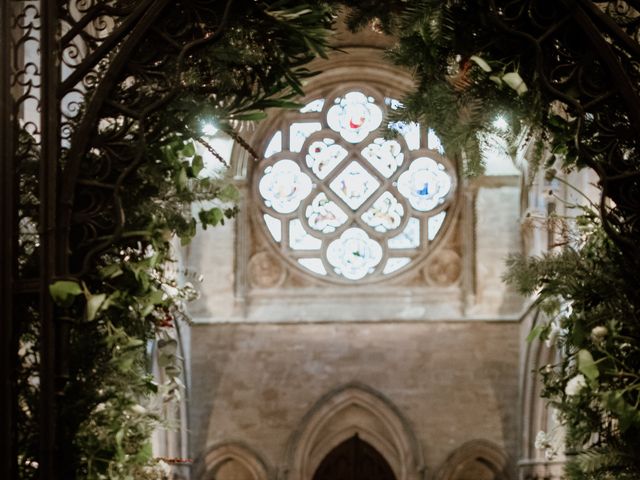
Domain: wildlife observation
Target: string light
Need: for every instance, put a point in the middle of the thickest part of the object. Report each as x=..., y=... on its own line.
x=209, y=129
x=500, y=123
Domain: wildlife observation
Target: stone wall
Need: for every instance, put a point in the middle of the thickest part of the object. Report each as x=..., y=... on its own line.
x=451, y=382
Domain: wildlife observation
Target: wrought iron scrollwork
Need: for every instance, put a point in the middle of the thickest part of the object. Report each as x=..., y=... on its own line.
x=84, y=84
x=588, y=59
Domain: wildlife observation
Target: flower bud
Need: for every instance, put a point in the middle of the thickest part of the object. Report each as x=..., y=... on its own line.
x=599, y=333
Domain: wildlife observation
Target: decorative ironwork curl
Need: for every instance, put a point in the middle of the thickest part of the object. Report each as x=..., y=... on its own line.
x=591, y=66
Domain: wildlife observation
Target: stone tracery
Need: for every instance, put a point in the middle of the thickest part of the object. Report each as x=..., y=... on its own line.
x=341, y=202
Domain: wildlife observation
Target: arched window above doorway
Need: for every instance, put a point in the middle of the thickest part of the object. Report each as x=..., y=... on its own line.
x=341, y=202
x=354, y=459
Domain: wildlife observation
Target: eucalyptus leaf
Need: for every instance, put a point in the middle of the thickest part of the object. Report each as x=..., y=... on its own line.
x=168, y=346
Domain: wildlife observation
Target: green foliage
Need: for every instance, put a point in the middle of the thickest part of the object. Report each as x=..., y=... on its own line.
x=259, y=63
x=64, y=291
x=114, y=399
x=469, y=70
x=589, y=292
x=131, y=299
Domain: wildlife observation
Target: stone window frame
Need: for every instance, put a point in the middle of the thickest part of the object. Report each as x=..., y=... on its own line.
x=373, y=87
x=265, y=288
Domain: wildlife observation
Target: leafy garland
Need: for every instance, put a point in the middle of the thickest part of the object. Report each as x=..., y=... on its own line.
x=462, y=65
x=132, y=296
x=469, y=72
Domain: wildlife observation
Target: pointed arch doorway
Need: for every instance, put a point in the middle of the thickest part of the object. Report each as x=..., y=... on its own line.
x=354, y=459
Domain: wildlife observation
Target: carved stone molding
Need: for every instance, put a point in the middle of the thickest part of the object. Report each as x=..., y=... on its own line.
x=265, y=270
x=237, y=459
x=443, y=269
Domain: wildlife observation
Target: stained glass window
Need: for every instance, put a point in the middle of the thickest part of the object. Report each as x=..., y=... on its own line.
x=344, y=202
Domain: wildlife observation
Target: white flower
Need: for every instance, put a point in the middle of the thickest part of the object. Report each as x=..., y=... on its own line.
x=575, y=385
x=515, y=81
x=99, y=408
x=169, y=291
x=557, y=418
x=566, y=309
x=139, y=409
x=554, y=332
x=599, y=333
x=541, y=440
x=165, y=468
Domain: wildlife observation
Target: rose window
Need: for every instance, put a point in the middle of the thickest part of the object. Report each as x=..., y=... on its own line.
x=343, y=203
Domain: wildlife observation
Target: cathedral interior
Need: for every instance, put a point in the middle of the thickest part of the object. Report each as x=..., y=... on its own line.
x=352, y=321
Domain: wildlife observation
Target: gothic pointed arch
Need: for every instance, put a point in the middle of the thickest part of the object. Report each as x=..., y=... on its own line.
x=231, y=461
x=354, y=459
x=351, y=410
x=536, y=415
x=476, y=460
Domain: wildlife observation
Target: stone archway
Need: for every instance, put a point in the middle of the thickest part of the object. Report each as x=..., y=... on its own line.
x=231, y=461
x=342, y=414
x=476, y=460
x=354, y=459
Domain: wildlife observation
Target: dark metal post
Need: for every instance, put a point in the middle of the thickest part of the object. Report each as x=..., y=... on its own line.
x=48, y=232
x=7, y=250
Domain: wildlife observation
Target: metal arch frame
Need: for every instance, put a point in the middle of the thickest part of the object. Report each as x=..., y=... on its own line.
x=613, y=44
x=60, y=185
x=63, y=141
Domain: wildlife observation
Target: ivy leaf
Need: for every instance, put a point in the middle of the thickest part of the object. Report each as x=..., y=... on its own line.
x=93, y=305
x=144, y=454
x=63, y=292
x=211, y=217
x=627, y=414
x=189, y=150
x=229, y=194
x=125, y=362
x=587, y=366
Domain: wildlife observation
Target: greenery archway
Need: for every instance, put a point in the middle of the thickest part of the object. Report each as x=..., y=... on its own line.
x=104, y=168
